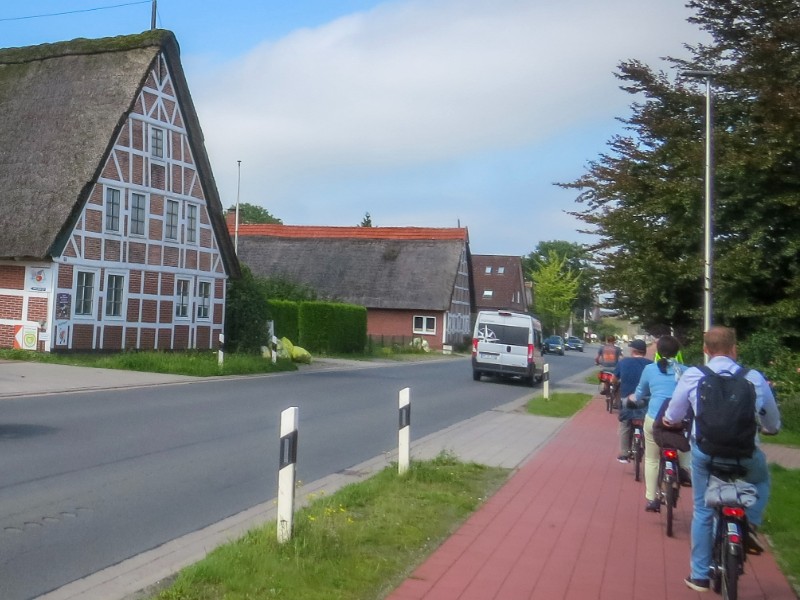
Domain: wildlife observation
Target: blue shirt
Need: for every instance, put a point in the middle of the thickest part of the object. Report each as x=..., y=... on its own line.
x=659, y=386
x=628, y=371
x=685, y=394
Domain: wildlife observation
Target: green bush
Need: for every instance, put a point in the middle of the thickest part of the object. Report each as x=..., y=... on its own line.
x=284, y=313
x=245, y=315
x=332, y=328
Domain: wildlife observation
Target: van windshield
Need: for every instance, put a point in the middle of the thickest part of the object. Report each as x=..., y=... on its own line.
x=503, y=334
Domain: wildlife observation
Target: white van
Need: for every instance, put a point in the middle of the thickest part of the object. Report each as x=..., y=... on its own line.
x=507, y=344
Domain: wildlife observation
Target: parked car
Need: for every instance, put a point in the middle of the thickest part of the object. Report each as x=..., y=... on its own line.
x=553, y=345
x=574, y=343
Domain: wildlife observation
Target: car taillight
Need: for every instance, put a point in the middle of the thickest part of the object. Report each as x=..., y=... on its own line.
x=474, y=346
x=735, y=512
x=530, y=353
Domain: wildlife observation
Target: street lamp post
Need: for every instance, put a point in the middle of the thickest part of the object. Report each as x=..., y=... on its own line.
x=708, y=252
x=236, y=224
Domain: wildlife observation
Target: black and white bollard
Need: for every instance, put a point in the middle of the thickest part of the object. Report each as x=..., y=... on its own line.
x=404, y=432
x=221, y=350
x=287, y=473
x=546, y=380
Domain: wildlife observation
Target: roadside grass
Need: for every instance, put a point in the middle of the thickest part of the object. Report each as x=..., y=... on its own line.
x=592, y=378
x=359, y=543
x=784, y=438
x=558, y=405
x=195, y=363
x=781, y=523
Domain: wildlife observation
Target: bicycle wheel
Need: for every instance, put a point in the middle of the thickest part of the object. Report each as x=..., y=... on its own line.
x=670, y=501
x=730, y=575
x=637, y=460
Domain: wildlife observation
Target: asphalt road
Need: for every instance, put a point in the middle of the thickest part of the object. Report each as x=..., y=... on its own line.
x=89, y=479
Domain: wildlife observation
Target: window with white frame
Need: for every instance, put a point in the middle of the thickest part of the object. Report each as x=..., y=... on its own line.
x=191, y=223
x=501, y=270
x=138, y=211
x=182, y=298
x=488, y=293
x=112, y=209
x=203, y=300
x=156, y=142
x=115, y=289
x=171, y=224
x=488, y=270
x=425, y=325
x=84, y=293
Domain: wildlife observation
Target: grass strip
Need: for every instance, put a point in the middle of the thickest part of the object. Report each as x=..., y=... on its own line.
x=358, y=543
x=781, y=523
x=784, y=438
x=558, y=405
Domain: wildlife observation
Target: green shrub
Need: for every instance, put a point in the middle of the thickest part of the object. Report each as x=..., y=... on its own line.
x=284, y=313
x=245, y=315
x=332, y=328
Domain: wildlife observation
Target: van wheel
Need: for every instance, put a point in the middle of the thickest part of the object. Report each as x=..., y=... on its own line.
x=476, y=375
x=532, y=381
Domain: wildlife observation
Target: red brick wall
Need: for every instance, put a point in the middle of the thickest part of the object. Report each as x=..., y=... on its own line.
x=147, y=339
x=11, y=307
x=164, y=338
x=130, y=337
x=181, y=337
x=203, y=337
x=65, y=276
x=82, y=336
x=12, y=277
x=37, y=309
x=149, y=311
x=112, y=337
x=400, y=323
x=6, y=336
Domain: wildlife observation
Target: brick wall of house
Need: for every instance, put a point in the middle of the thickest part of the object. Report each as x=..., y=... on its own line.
x=147, y=261
x=400, y=324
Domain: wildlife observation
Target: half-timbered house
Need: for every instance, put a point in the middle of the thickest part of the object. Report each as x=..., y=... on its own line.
x=112, y=234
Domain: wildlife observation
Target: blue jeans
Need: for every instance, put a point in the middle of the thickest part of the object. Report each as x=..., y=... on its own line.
x=703, y=517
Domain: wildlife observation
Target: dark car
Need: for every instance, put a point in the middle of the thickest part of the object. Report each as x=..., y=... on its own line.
x=553, y=345
x=574, y=343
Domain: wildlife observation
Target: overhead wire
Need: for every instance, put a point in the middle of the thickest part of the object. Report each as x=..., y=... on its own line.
x=72, y=12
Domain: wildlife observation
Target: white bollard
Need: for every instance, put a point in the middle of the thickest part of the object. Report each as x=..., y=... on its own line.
x=404, y=432
x=546, y=380
x=221, y=351
x=287, y=473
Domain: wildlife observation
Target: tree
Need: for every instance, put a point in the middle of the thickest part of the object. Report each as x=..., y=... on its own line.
x=576, y=259
x=246, y=314
x=366, y=221
x=252, y=214
x=644, y=198
x=556, y=288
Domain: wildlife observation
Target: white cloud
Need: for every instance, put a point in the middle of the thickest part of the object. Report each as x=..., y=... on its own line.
x=419, y=82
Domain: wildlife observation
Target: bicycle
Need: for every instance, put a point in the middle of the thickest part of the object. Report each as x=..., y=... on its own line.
x=669, y=483
x=608, y=388
x=637, y=447
x=729, y=550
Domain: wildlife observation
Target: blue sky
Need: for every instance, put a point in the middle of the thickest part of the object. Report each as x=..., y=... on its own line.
x=427, y=113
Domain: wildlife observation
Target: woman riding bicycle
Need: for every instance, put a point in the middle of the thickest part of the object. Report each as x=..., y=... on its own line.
x=658, y=381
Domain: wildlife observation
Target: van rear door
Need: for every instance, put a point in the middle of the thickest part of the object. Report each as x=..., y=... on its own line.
x=503, y=344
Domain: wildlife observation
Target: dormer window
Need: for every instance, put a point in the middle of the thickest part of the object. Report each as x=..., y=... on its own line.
x=488, y=270
x=501, y=270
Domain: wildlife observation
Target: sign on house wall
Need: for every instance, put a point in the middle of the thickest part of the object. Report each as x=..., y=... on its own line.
x=26, y=337
x=38, y=279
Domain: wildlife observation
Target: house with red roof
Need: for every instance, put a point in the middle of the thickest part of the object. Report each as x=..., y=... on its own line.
x=413, y=281
x=499, y=283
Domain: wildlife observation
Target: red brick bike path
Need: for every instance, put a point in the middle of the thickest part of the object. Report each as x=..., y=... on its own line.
x=570, y=523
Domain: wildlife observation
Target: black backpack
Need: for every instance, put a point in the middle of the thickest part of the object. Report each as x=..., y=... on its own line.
x=725, y=423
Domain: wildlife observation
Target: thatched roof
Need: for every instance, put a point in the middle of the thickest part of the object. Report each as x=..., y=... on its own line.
x=61, y=108
x=409, y=268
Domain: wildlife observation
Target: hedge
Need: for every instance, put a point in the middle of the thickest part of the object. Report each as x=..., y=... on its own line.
x=332, y=328
x=284, y=313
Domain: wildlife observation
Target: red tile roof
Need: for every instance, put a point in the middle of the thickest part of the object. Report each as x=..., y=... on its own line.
x=380, y=233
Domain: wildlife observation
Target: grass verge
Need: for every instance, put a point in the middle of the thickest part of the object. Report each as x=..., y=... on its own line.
x=781, y=522
x=358, y=543
x=784, y=438
x=195, y=363
x=559, y=405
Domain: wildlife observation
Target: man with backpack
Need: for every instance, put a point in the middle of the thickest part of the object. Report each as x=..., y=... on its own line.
x=729, y=403
x=608, y=355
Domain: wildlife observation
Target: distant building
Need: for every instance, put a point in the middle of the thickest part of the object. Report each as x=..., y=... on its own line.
x=499, y=283
x=413, y=281
x=112, y=234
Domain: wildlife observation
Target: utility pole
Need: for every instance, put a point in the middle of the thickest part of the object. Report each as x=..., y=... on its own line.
x=236, y=226
x=153, y=15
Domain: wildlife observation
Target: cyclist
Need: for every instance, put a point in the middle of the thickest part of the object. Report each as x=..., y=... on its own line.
x=627, y=374
x=719, y=343
x=609, y=354
x=658, y=382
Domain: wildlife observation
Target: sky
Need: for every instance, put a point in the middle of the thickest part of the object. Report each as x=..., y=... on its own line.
x=426, y=113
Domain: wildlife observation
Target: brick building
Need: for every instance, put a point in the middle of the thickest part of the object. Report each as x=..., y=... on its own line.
x=499, y=283
x=112, y=234
x=413, y=281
